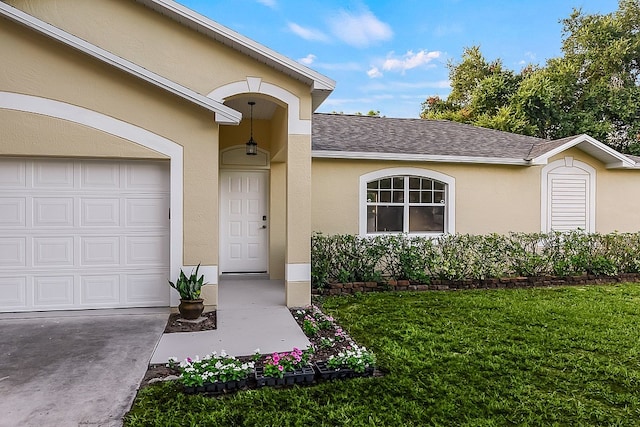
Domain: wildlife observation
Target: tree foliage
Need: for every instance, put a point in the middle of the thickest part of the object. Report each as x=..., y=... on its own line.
x=593, y=88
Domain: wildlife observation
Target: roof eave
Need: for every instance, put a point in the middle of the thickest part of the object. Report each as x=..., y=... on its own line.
x=321, y=86
x=223, y=114
x=610, y=157
x=354, y=155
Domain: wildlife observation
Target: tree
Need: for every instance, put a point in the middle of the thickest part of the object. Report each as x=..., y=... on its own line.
x=593, y=88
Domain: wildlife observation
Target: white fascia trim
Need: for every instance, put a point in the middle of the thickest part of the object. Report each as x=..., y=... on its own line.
x=231, y=38
x=115, y=127
x=426, y=173
x=417, y=157
x=622, y=160
x=297, y=272
x=223, y=113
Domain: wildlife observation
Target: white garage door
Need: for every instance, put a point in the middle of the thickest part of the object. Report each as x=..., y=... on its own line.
x=80, y=234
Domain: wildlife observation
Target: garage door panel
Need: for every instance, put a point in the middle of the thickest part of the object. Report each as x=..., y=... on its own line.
x=13, y=251
x=13, y=212
x=53, y=212
x=13, y=292
x=147, y=250
x=146, y=177
x=147, y=212
x=100, y=176
x=13, y=173
x=79, y=234
x=53, y=291
x=96, y=212
x=53, y=174
x=100, y=250
x=144, y=288
x=100, y=290
x=53, y=251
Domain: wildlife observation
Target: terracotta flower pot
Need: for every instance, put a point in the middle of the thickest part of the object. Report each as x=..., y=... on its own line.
x=191, y=309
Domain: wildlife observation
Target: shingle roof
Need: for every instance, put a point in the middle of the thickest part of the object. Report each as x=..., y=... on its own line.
x=366, y=134
x=544, y=146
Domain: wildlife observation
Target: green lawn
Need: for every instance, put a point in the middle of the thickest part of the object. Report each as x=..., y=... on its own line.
x=561, y=356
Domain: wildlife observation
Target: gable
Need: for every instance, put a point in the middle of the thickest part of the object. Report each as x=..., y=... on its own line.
x=176, y=43
x=224, y=114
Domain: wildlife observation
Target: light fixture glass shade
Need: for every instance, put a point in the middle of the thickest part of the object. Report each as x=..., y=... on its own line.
x=252, y=147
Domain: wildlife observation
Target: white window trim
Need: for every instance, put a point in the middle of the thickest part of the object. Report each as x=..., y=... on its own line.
x=545, y=209
x=450, y=196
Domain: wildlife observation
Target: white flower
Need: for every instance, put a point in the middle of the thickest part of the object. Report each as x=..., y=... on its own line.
x=223, y=353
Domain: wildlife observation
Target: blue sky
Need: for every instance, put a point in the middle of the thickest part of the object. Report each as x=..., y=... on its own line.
x=392, y=55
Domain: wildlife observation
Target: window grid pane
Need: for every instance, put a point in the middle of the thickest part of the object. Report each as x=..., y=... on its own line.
x=392, y=207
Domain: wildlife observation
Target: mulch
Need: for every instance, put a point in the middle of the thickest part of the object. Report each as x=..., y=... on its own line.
x=175, y=324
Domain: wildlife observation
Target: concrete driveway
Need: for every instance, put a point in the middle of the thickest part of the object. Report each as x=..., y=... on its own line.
x=74, y=368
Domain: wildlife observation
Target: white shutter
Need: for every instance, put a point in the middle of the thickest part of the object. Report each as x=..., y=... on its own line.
x=569, y=202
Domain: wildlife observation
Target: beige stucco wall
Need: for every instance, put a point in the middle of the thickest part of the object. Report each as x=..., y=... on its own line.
x=299, y=199
x=28, y=134
x=489, y=198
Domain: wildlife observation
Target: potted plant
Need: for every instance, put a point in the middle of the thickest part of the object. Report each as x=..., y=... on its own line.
x=191, y=305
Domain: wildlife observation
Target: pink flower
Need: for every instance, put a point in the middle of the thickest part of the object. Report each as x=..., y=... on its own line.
x=275, y=357
x=280, y=368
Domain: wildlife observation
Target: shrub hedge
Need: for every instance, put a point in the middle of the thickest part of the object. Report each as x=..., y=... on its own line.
x=348, y=258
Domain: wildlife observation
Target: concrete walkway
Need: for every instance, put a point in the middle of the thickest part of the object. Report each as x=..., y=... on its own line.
x=251, y=314
x=79, y=368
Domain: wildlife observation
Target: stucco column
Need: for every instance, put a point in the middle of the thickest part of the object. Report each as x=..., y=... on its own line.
x=298, y=255
x=201, y=234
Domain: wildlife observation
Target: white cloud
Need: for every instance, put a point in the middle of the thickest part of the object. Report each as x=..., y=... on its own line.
x=269, y=3
x=409, y=60
x=359, y=30
x=310, y=34
x=307, y=60
x=374, y=73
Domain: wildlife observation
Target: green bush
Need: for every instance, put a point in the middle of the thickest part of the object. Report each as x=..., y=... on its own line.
x=348, y=258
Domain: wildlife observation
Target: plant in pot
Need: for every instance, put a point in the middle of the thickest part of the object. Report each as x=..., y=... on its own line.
x=191, y=305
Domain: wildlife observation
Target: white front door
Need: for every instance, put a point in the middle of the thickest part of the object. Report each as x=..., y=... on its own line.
x=243, y=222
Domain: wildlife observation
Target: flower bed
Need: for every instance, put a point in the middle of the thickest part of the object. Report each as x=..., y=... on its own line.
x=213, y=373
x=333, y=354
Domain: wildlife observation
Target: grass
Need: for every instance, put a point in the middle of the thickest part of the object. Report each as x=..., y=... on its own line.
x=537, y=357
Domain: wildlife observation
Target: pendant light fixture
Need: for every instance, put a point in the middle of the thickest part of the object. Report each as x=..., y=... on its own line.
x=252, y=146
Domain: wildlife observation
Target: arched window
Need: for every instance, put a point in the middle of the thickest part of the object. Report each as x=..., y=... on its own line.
x=406, y=200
